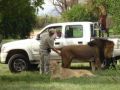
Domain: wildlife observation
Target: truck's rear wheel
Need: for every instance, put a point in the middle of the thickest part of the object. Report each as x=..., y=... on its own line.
x=18, y=63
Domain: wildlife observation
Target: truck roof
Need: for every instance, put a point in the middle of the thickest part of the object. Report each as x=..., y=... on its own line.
x=69, y=23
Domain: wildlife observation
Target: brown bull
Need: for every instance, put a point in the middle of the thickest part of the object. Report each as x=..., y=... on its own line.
x=105, y=49
x=80, y=52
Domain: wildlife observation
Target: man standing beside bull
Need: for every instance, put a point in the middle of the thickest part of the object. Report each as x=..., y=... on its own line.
x=46, y=44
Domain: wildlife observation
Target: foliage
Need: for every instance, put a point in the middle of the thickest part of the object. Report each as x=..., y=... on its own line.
x=79, y=13
x=41, y=21
x=113, y=10
x=17, y=17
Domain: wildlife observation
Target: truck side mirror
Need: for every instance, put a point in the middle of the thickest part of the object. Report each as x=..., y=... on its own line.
x=38, y=37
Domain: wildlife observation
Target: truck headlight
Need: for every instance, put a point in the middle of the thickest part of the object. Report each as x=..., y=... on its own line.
x=3, y=49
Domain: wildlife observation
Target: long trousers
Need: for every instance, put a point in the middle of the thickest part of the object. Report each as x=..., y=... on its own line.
x=44, y=62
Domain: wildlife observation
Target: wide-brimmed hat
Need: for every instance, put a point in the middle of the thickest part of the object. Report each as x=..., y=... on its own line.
x=52, y=30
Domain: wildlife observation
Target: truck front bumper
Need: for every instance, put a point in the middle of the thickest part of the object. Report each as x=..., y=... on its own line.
x=3, y=57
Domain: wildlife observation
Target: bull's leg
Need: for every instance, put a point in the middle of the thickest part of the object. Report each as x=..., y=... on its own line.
x=98, y=63
x=93, y=66
x=66, y=63
x=66, y=59
x=110, y=62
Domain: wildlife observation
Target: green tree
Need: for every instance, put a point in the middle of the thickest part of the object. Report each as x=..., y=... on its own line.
x=113, y=10
x=18, y=17
x=79, y=13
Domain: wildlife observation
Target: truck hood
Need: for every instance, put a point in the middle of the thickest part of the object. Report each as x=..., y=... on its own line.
x=19, y=42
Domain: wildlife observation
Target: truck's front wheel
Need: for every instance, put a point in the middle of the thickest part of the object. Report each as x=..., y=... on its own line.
x=18, y=63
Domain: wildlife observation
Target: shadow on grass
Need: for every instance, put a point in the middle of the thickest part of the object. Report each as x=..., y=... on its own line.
x=81, y=67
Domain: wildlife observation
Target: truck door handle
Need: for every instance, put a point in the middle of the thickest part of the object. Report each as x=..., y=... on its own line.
x=57, y=43
x=79, y=42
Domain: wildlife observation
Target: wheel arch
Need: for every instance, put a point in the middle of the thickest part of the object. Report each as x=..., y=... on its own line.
x=16, y=51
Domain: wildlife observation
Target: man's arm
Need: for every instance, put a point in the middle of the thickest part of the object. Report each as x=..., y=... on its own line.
x=51, y=45
x=55, y=50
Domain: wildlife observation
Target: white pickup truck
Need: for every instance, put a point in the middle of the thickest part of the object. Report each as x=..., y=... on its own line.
x=22, y=54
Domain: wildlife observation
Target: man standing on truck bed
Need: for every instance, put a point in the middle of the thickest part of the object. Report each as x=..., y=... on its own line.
x=46, y=44
x=102, y=20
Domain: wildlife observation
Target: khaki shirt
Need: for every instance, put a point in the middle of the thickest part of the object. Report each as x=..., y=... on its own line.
x=46, y=41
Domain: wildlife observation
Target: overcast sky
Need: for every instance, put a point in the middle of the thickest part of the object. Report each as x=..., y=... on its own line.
x=48, y=9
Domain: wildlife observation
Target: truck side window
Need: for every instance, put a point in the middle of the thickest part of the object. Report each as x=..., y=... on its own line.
x=38, y=35
x=57, y=28
x=59, y=32
x=69, y=32
x=74, y=31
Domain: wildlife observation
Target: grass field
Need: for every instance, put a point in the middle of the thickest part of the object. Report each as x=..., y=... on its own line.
x=104, y=80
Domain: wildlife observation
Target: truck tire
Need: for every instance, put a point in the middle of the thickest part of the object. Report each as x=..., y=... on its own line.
x=18, y=63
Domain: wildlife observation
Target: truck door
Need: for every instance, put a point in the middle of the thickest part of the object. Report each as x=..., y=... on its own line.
x=73, y=35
